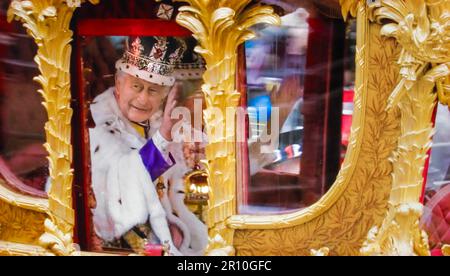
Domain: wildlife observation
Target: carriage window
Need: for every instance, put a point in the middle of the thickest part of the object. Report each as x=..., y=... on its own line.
x=125, y=85
x=437, y=191
x=23, y=158
x=298, y=90
x=130, y=56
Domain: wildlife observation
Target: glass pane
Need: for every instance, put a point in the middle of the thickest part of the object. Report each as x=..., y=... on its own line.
x=126, y=84
x=23, y=159
x=435, y=219
x=299, y=99
x=349, y=85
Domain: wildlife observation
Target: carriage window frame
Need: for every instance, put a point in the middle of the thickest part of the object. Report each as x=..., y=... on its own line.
x=90, y=27
x=8, y=177
x=331, y=115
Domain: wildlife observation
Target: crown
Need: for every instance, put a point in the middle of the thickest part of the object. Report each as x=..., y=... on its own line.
x=152, y=59
x=191, y=65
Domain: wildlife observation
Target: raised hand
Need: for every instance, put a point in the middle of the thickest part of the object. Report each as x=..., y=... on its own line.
x=168, y=122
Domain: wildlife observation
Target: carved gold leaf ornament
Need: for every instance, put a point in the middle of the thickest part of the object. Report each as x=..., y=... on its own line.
x=21, y=217
x=58, y=241
x=20, y=225
x=446, y=250
x=21, y=249
x=443, y=89
x=422, y=28
x=48, y=23
x=220, y=27
x=349, y=7
x=357, y=200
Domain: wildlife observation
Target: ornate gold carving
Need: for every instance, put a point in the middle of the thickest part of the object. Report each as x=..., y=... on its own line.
x=349, y=7
x=212, y=22
x=21, y=218
x=358, y=199
x=17, y=249
x=400, y=233
x=48, y=23
x=443, y=89
x=220, y=27
x=20, y=225
x=421, y=27
x=57, y=241
x=22, y=201
x=446, y=250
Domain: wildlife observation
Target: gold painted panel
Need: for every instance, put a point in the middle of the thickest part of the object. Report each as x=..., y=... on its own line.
x=20, y=225
x=17, y=249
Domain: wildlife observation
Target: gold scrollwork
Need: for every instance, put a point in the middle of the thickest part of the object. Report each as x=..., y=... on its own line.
x=20, y=249
x=48, y=23
x=22, y=201
x=446, y=250
x=220, y=27
x=20, y=225
x=349, y=7
x=443, y=89
x=422, y=30
x=358, y=199
x=21, y=217
x=212, y=23
x=421, y=27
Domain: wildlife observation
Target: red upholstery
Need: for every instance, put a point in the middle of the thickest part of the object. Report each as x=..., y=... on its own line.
x=436, y=219
x=436, y=253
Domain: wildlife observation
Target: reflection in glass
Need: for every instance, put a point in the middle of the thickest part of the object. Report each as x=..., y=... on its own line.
x=435, y=219
x=23, y=158
x=299, y=84
x=349, y=85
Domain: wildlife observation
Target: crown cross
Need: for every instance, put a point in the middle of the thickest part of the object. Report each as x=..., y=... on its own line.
x=159, y=49
x=136, y=47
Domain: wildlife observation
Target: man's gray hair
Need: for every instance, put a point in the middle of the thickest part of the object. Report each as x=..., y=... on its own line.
x=120, y=75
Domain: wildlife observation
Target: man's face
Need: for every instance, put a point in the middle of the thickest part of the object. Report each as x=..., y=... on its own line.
x=138, y=99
